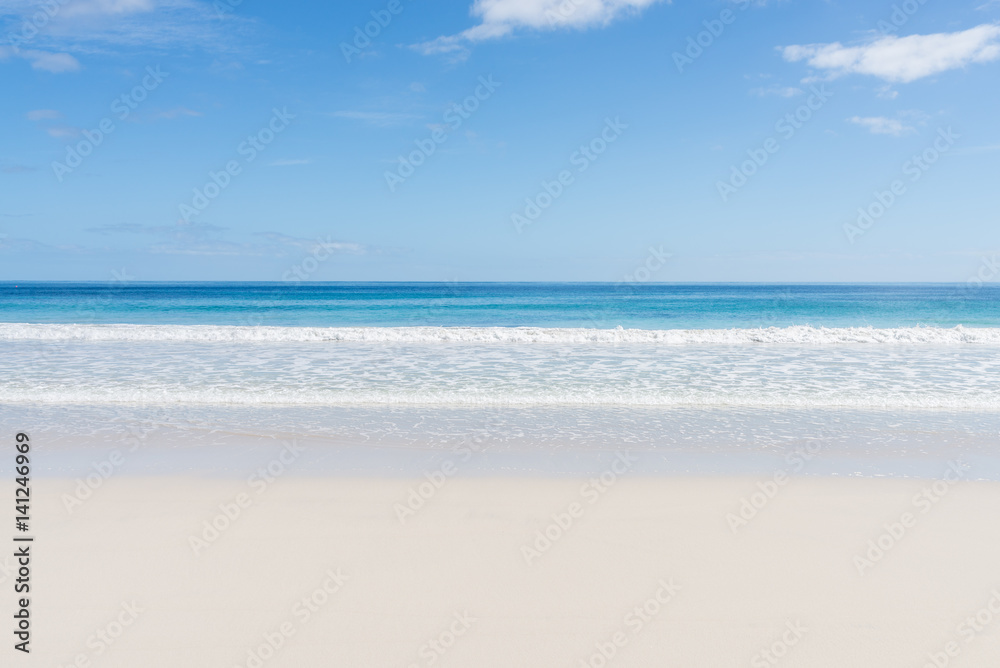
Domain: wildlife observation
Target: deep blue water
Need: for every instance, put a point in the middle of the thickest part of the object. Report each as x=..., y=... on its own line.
x=646, y=306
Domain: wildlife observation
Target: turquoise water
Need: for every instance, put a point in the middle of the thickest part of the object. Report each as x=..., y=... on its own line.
x=898, y=347
x=701, y=377
x=643, y=306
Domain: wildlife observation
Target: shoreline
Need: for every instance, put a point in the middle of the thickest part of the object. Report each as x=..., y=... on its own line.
x=377, y=441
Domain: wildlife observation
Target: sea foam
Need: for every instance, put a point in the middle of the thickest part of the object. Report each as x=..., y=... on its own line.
x=802, y=334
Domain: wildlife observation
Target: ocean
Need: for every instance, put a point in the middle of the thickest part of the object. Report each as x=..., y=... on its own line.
x=886, y=373
x=564, y=305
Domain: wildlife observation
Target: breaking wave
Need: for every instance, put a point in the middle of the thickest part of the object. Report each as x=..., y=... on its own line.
x=501, y=335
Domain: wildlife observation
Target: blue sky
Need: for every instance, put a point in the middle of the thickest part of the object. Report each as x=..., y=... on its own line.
x=499, y=140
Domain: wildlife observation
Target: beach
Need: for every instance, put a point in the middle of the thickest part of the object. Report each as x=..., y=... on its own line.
x=344, y=484
x=319, y=570
x=513, y=333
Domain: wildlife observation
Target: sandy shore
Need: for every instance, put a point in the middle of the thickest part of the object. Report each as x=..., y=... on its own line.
x=641, y=572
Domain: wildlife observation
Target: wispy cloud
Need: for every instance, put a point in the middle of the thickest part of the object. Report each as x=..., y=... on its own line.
x=52, y=35
x=779, y=91
x=972, y=150
x=880, y=125
x=330, y=245
x=9, y=244
x=209, y=239
x=84, y=8
x=381, y=118
x=57, y=63
x=43, y=115
x=63, y=132
x=46, y=61
x=180, y=239
x=499, y=18
x=886, y=92
x=902, y=59
x=177, y=112
x=289, y=162
x=180, y=229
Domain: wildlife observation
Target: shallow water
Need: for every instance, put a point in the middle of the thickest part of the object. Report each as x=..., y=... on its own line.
x=889, y=380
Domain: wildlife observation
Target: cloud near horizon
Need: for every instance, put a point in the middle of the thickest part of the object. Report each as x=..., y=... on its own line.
x=210, y=239
x=499, y=18
x=902, y=59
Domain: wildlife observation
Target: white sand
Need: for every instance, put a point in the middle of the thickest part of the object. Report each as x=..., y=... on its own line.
x=461, y=555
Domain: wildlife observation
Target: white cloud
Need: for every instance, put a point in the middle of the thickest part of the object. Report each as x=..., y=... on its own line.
x=499, y=18
x=63, y=27
x=43, y=115
x=63, y=132
x=74, y=7
x=880, y=125
x=106, y=7
x=42, y=60
x=290, y=162
x=902, y=59
x=177, y=112
x=56, y=63
x=381, y=118
x=780, y=91
x=887, y=93
x=208, y=239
